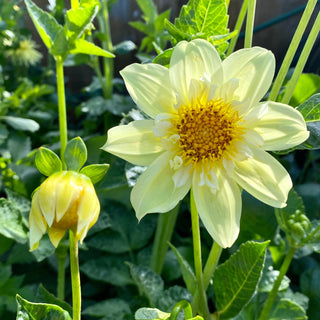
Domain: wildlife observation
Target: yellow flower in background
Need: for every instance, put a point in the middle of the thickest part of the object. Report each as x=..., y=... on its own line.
x=208, y=131
x=65, y=200
x=26, y=53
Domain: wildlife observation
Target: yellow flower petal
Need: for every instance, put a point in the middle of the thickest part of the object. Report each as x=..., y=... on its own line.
x=282, y=127
x=254, y=68
x=219, y=211
x=155, y=189
x=134, y=142
x=148, y=87
x=56, y=235
x=197, y=60
x=263, y=177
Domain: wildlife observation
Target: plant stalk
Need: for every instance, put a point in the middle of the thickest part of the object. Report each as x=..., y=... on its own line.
x=273, y=293
x=165, y=227
x=75, y=276
x=250, y=24
x=61, y=107
x=302, y=60
x=292, y=49
x=200, y=299
x=61, y=276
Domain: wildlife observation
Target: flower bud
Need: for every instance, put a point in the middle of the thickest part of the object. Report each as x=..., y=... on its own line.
x=65, y=200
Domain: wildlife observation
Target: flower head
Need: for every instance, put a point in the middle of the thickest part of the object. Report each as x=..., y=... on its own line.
x=208, y=131
x=65, y=200
x=26, y=53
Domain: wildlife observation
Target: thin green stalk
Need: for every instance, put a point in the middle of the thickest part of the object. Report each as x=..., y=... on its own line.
x=201, y=302
x=249, y=24
x=61, y=276
x=302, y=60
x=75, y=276
x=107, y=45
x=211, y=264
x=181, y=305
x=165, y=227
x=272, y=295
x=238, y=26
x=292, y=49
x=61, y=107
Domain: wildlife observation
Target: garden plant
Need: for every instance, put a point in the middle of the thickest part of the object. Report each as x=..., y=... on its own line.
x=187, y=187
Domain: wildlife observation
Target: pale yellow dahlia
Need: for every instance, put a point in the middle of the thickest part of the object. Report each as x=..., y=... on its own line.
x=65, y=200
x=26, y=54
x=209, y=132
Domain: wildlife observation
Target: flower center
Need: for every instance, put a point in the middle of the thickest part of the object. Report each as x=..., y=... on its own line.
x=207, y=130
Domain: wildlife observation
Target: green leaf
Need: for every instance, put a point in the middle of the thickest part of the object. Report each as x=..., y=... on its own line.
x=43, y=295
x=310, y=109
x=287, y=310
x=149, y=9
x=11, y=222
x=200, y=19
x=75, y=154
x=151, y=314
x=124, y=47
x=86, y=47
x=40, y=311
x=78, y=20
x=269, y=277
x=110, y=269
x=46, y=25
x=292, y=219
x=47, y=161
x=307, y=85
x=61, y=45
x=235, y=281
x=164, y=58
x=149, y=283
x=19, y=145
x=21, y=123
x=95, y=172
x=188, y=275
x=109, y=309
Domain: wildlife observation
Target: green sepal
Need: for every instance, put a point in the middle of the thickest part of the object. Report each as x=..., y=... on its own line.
x=29, y=311
x=83, y=46
x=75, y=154
x=46, y=25
x=95, y=172
x=47, y=161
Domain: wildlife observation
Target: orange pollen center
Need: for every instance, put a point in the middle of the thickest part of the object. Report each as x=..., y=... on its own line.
x=207, y=130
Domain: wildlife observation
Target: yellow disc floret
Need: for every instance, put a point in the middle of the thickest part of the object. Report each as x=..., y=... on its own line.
x=207, y=130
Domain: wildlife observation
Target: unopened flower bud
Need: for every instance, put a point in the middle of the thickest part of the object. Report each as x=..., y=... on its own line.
x=65, y=200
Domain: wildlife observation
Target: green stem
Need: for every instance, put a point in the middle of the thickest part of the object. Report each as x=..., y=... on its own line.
x=202, y=299
x=302, y=60
x=75, y=276
x=250, y=24
x=61, y=106
x=211, y=264
x=292, y=50
x=107, y=45
x=61, y=276
x=272, y=295
x=165, y=227
x=238, y=26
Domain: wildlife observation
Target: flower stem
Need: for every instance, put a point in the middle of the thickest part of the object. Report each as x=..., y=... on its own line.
x=201, y=300
x=249, y=24
x=61, y=275
x=211, y=264
x=272, y=295
x=61, y=106
x=165, y=227
x=292, y=50
x=75, y=276
x=302, y=60
x=238, y=26
x=181, y=305
x=107, y=45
